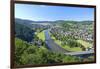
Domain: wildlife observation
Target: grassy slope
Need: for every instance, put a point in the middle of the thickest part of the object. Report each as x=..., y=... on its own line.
x=84, y=43
x=65, y=46
x=41, y=35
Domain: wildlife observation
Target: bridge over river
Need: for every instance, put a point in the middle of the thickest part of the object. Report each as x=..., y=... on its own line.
x=51, y=45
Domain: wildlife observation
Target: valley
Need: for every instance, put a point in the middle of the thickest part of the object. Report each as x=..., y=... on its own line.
x=49, y=42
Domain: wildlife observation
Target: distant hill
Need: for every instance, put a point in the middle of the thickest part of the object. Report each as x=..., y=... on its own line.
x=86, y=22
x=29, y=22
x=24, y=22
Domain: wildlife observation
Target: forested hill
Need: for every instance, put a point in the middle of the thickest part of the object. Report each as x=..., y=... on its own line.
x=29, y=22
x=24, y=22
x=75, y=22
x=23, y=32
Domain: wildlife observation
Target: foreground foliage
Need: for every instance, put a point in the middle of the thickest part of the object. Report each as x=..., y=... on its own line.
x=26, y=53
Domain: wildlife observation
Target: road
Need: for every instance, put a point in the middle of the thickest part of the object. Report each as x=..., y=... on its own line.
x=80, y=53
x=51, y=45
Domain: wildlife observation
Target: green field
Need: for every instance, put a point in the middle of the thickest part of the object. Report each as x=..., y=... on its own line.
x=41, y=35
x=84, y=43
x=66, y=47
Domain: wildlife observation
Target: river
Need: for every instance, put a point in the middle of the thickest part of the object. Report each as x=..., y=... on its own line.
x=51, y=45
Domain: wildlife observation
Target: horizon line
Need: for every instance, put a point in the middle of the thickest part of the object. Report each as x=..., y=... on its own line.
x=51, y=20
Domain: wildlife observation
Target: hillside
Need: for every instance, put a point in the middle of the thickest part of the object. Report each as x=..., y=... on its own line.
x=23, y=32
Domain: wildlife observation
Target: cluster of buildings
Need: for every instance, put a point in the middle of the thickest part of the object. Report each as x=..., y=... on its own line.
x=76, y=33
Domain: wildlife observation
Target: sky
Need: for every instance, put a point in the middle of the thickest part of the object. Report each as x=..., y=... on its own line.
x=53, y=13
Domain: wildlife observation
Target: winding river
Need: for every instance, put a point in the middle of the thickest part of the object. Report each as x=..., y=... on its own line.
x=51, y=45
